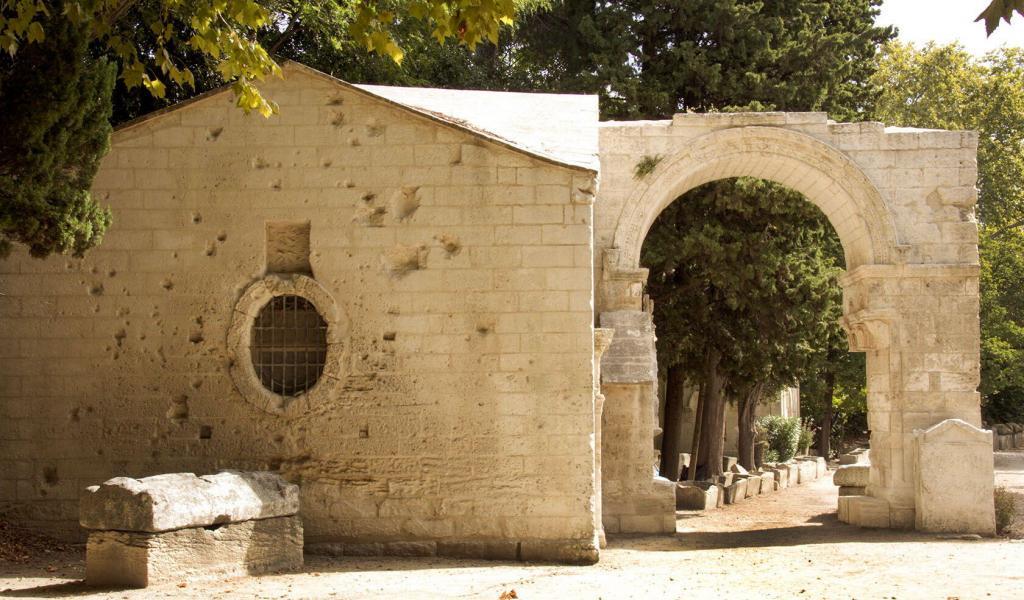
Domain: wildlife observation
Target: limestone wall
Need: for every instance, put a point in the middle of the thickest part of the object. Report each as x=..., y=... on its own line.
x=461, y=407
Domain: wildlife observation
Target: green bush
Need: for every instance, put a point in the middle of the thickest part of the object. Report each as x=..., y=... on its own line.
x=806, y=438
x=782, y=435
x=1006, y=509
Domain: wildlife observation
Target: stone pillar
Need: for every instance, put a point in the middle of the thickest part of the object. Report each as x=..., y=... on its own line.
x=602, y=339
x=635, y=500
x=918, y=325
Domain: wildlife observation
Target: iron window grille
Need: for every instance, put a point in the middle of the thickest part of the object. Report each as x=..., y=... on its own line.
x=289, y=345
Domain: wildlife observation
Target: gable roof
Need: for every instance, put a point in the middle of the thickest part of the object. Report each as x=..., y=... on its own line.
x=556, y=128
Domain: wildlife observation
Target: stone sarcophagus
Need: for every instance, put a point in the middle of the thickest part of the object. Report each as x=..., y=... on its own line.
x=183, y=528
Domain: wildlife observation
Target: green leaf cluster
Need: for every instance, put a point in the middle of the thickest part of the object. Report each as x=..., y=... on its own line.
x=55, y=131
x=782, y=434
x=742, y=266
x=946, y=87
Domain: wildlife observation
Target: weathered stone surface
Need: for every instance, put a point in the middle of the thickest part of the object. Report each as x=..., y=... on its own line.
x=133, y=559
x=852, y=475
x=767, y=482
x=847, y=490
x=696, y=495
x=575, y=552
x=490, y=550
x=736, y=492
x=730, y=463
x=807, y=470
x=794, y=473
x=180, y=500
x=854, y=457
x=954, y=479
x=864, y=511
x=781, y=475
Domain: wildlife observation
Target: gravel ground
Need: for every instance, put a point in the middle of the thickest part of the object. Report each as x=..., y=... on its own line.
x=786, y=545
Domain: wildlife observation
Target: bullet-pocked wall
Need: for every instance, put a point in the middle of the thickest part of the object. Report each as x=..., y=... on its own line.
x=449, y=407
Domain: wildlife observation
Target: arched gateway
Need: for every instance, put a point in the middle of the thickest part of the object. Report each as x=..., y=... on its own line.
x=902, y=202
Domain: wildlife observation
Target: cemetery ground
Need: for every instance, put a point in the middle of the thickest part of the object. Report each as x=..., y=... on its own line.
x=783, y=545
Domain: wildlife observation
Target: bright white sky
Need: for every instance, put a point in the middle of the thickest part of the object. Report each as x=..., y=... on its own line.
x=945, y=21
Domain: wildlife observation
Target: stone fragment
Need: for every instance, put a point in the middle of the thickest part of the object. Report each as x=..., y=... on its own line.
x=180, y=500
x=852, y=475
x=141, y=559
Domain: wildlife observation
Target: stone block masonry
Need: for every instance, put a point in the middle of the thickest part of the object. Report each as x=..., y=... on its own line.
x=457, y=404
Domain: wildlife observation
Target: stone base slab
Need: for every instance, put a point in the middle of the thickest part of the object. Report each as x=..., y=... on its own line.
x=864, y=511
x=572, y=552
x=135, y=559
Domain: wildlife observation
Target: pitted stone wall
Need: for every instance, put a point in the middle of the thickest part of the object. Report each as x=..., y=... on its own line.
x=463, y=271
x=902, y=202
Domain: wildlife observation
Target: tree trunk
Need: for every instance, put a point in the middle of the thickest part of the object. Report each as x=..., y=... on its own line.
x=698, y=418
x=747, y=403
x=672, y=429
x=825, y=433
x=712, y=435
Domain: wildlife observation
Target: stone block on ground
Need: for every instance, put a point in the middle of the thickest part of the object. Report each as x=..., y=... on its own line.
x=781, y=475
x=155, y=504
x=847, y=490
x=864, y=511
x=696, y=495
x=753, y=485
x=726, y=478
x=767, y=482
x=954, y=479
x=807, y=470
x=141, y=559
x=794, y=473
x=852, y=475
x=854, y=457
x=728, y=462
x=183, y=528
x=736, y=492
x=822, y=465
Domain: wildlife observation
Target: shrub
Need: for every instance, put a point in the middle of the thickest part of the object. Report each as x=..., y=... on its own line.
x=782, y=435
x=1006, y=509
x=806, y=438
x=646, y=166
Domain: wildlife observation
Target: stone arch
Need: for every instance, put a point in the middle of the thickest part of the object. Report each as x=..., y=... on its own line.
x=902, y=299
x=822, y=173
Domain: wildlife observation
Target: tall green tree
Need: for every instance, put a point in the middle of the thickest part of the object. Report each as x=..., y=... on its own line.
x=742, y=279
x=653, y=58
x=55, y=131
x=946, y=87
x=713, y=55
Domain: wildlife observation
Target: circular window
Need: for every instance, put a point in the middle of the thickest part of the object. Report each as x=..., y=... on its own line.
x=286, y=344
x=289, y=345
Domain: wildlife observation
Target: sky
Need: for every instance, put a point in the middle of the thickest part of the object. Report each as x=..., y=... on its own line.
x=945, y=21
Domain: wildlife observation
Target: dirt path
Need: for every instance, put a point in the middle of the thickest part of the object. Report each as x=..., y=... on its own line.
x=786, y=545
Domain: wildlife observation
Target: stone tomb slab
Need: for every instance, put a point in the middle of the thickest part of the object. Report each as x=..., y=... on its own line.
x=954, y=484
x=142, y=559
x=183, y=528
